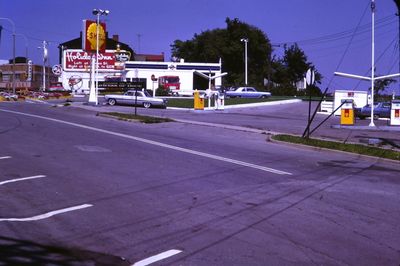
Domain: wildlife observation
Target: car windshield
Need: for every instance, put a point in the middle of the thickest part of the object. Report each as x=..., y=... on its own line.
x=172, y=80
x=147, y=94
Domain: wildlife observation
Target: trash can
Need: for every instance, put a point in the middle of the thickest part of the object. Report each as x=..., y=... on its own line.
x=198, y=101
x=395, y=113
x=347, y=112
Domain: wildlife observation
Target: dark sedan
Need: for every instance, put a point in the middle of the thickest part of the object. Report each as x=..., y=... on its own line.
x=381, y=110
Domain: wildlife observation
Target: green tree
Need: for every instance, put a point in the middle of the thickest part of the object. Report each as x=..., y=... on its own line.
x=381, y=85
x=290, y=69
x=211, y=45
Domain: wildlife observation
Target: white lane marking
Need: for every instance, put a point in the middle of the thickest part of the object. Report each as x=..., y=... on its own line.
x=158, y=257
x=5, y=157
x=46, y=215
x=20, y=179
x=160, y=144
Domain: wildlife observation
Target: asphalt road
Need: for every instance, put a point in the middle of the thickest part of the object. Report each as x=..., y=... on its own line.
x=79, y=189
x=282, y=118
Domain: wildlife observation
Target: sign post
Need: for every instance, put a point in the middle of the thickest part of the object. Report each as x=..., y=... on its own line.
x=310, y=79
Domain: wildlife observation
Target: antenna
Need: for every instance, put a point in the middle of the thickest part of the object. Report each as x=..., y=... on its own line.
x=139, y=35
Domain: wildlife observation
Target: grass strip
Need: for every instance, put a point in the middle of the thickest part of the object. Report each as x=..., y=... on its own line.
x=333, y=145
x=141, y=118
x=189, y=102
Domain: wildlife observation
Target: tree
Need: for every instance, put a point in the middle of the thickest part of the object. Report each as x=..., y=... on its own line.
x=381, y=84
x=290, y=69
x=211, y=45
x=18, y=60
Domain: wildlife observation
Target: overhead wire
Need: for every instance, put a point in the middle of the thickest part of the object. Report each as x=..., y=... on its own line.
x=348, y=45
x=360, y=29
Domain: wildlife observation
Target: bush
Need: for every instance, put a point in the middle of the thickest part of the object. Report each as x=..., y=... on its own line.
x=161, y=91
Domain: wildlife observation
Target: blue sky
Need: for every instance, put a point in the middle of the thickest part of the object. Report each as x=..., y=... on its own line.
x=322, y=28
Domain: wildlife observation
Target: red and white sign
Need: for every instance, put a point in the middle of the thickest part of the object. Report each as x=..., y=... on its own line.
x=79, y=60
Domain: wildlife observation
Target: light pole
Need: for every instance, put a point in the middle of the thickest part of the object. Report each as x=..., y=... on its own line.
x=45, y=54
x=398, y=15
x=13, y=68
x=245, y=40
x=372, y=78
x=98, y=12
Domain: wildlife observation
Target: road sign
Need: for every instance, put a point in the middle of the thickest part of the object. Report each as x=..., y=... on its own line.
x=310, y=77
x=122, y=84
x=57, y=70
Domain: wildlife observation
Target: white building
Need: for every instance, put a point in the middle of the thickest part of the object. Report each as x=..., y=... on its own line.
x=76, y=69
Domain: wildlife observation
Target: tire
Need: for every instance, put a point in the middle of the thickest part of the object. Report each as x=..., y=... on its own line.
x=146, y=105
x=112, y=102
x=263, y=97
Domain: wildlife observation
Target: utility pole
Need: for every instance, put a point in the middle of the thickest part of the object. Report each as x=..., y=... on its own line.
x=398, y=15
x=372, y=78
x=139, y=36
x=45, y=55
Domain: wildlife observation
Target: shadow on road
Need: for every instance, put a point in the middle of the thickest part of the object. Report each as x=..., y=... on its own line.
x=22, y=252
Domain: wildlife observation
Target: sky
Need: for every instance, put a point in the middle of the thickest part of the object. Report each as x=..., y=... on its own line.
x=334, y=34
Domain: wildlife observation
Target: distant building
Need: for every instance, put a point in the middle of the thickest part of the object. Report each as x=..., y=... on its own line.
x=27, y=76
x=150, y=57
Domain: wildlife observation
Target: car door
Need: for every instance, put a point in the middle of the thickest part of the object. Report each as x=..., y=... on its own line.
x=385, y=112
x=251, y=93
x=129, y=98
x=140, y=97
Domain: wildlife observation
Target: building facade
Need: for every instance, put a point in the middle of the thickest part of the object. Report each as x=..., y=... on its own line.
x=27, y=76
x=119, y=63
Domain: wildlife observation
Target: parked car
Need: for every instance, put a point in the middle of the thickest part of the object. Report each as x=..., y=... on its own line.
x=8, y=96
x=57, y=88
x=247, y=92
x=140, y=97
x=381, y=110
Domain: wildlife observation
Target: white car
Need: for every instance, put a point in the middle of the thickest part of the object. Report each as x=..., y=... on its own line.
x=133, y=97
x=247, y=92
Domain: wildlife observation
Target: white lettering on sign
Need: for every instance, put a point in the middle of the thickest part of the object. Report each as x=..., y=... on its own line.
x=80, y=60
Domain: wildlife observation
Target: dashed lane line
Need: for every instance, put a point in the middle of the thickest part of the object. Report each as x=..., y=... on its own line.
x=158, y=257
x=159, y=144
x=5, y=157
x=46, y=215
x=21, y=179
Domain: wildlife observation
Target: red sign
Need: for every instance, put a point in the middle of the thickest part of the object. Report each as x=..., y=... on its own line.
x=89, y=38
x=80, y=60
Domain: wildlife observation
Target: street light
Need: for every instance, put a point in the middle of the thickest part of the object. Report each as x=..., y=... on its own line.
x=245, y=40
x=372, y=78
x=98, y=12
x=13, y=68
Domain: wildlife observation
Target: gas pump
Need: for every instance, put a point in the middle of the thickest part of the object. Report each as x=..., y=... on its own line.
x=395, y=113
x=347, y=112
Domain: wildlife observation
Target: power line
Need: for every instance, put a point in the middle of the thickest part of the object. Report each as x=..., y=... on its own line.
x=344, y=34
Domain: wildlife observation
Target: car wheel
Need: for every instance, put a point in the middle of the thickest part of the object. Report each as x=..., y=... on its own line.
x=112, y=101
x=263, y=97
x=146, y=105
x=376, y=116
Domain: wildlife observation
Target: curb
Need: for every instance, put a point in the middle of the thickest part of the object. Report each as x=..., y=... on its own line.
x=314, y=148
